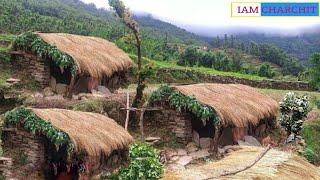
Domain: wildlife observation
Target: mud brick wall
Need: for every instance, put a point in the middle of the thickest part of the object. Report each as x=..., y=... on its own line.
x=35, y=67
x=178, y=123
x=31, y=145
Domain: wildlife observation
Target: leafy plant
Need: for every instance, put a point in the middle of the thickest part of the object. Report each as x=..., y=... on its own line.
x=293, y=110
x=310, y=155
x=34, y=124
x=310, y=134
x=184, y=103
x=31, y=42
x=144, y=164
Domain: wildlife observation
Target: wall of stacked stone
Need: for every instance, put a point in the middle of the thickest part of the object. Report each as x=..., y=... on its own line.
x=33, y=66
x=206, y=78
x=6, y=167
x=31, y=145
x=178, y=123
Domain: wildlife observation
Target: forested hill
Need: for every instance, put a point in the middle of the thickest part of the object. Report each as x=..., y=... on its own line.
x=301, y=46
x=74, y=16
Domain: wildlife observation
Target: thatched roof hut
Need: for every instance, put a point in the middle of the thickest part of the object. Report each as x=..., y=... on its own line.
x=61, y=143
x=82, y=62
x=203, y=111
x=91, y=133
x=236, y=104
x=94, y=56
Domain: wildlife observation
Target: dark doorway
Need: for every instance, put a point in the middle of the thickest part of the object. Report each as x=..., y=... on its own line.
x=62, y=76
x=204, y=130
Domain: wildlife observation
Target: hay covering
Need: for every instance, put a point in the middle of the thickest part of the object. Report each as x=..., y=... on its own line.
x=92, y=55
x=236, y=105
x=91, y=133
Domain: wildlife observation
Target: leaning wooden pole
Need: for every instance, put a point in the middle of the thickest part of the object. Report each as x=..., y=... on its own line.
x=141, y=124
x=128, y=112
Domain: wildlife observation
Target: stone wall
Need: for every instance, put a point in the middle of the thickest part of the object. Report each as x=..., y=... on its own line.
x=29, y=148
x=196, y=77
x=176, y=122
x=33, y=66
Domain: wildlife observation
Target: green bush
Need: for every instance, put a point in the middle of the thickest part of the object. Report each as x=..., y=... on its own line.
x=310, y=134
x=144, y=164
x=309, y=155
x=293, y=110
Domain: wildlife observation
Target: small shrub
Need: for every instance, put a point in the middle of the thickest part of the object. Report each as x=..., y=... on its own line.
x=310, y=134
x=144, y=164
x=293, y=110
x=310, y=155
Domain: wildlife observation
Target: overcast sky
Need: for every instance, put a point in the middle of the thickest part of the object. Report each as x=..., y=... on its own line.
x=198, y=15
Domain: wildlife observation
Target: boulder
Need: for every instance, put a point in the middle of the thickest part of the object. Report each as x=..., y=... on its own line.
x=221, y=150
x=184, y=160
x=61, y=88
x=104, y=90
x=233, y=147
x=191, y=147
x=53, y=83
x=200, y=154
x=48, y=92
x=13, y=81
x=196, y=138
x=54, y=98
x=252, y=141
x=205, y=142
x=38, y=95
x=181, y=152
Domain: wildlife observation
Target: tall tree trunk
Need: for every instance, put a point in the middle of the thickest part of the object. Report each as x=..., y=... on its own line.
x=141, y=83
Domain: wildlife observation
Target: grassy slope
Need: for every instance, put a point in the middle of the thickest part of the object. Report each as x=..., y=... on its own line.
x=5, y=71
x=173, y=65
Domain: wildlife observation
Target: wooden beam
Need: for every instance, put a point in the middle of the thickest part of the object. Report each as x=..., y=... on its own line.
x=141, y=124
x=128, y=112
x=140, y=109
x=22, y=53
x=10, y=129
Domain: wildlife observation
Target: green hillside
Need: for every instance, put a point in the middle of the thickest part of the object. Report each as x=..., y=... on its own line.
x=160, y=40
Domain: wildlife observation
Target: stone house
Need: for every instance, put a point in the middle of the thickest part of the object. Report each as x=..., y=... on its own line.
x=241, y=110
x=99, y=144
x=97, y=62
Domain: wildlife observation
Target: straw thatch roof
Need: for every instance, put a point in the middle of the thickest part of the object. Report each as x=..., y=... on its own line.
x=92, y=133
x=93, y=56
x=236, y=105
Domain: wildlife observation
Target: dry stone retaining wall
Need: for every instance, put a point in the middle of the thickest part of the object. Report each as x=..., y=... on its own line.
x=33, y=66
x=30, y=147
x=176, y=122
x=197, y=77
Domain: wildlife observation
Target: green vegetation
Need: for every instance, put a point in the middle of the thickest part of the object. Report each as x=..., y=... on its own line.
x=293, y=110
x=31, y=42
x=76, y=17
x=265, y=71
x=218, y=60
x=144, y=164
x=315, y=71
x=189, y=71
x=184, y=103
x=310, y=134
x=34, y=124
x=300, y=46
x=265, y=51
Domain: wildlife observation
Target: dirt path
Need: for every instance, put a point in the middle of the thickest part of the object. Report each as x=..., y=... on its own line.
x=274, y=165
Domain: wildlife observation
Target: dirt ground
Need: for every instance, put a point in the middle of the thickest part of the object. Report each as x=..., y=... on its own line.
x=274, y=165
